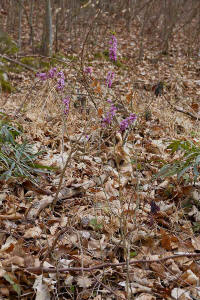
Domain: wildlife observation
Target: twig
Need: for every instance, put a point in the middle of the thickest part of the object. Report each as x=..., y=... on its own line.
x=180, y=109
x=61, y=178
x=72, y=150
x=50, y=251
x=84, y=80
x=106, y=287
x=18, y=63
x=100, y=266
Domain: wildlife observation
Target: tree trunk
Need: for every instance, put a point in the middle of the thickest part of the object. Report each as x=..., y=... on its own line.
x=47, y=37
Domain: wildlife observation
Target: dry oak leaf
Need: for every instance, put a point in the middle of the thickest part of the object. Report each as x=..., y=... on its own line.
x=9, y=244
x=180, y=294
x=69, y=280
x=33, y=232
x=168, y=241
x=145, y=296
x=4, y=291
x=190, y=278
x=14, y=216
x=84, y=282
x=159, y=269
x=41, y=289
x=196, y=242
x=122, y=153
x=14, y=260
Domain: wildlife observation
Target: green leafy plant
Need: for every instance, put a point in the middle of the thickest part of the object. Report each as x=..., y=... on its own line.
x=96, y=226
x=133, y=254
x=196, y=227
x=17, y=159
x=16, y=287
x=189, y=160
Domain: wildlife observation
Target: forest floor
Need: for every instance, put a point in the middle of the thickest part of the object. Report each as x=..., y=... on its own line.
x=107, y=227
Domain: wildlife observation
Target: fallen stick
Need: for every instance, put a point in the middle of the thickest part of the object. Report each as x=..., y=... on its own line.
x=18, y=63
x=41, y=269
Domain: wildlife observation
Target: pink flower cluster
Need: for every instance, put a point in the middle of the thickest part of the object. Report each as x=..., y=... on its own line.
x=47, y=75
x=52, y=74
x=110, y=78
x=127, y=122
x=88, y=70
x=66, y=102
x=110, y=114
x=113, y=48
x=61, y=80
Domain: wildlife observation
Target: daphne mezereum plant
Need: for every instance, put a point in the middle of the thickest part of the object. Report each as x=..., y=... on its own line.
x=110, y=114
x=124, y=124
x=110, y=78
x=113, y=48
x=52, y=73
x=66, y=102
x=189, y=160
x=59, y=76
x=88, y=70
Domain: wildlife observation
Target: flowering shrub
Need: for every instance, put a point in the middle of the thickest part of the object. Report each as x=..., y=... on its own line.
x=52, y=74
x=88, y=70
x=110, y=114
x=66, y=102
x=127, y=122
x=45, y=76
x=110, y=78
x=42, y=76
x=60, y=77
x=61, y=80
x=113, y=48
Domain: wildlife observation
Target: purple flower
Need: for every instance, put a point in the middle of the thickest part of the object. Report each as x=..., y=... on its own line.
x=61, y=80
x=88, y=70
x=113, y=48
x=61, y=84
x=109, y=116
x=45, y=76
x=66, y=102
x=42, y=76
x=127, y=122
x=110, y=78
x=52, y=73
x=61, y=75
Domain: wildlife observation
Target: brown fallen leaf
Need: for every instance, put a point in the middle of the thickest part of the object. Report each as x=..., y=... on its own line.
x=14, y=216
x=145, y=296
x=30, y=186
x=190, y=278
x=33, y=232
x=37, y=206
x=41, y=288
x=14, y=260
x=84, y=281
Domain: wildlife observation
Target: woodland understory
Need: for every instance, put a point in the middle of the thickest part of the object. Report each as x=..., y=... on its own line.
x=99, y=154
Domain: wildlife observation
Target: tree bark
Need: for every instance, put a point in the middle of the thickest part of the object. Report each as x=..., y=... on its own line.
x=47, y=37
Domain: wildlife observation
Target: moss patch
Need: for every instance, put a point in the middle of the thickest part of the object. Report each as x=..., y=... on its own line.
x=30, y=61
